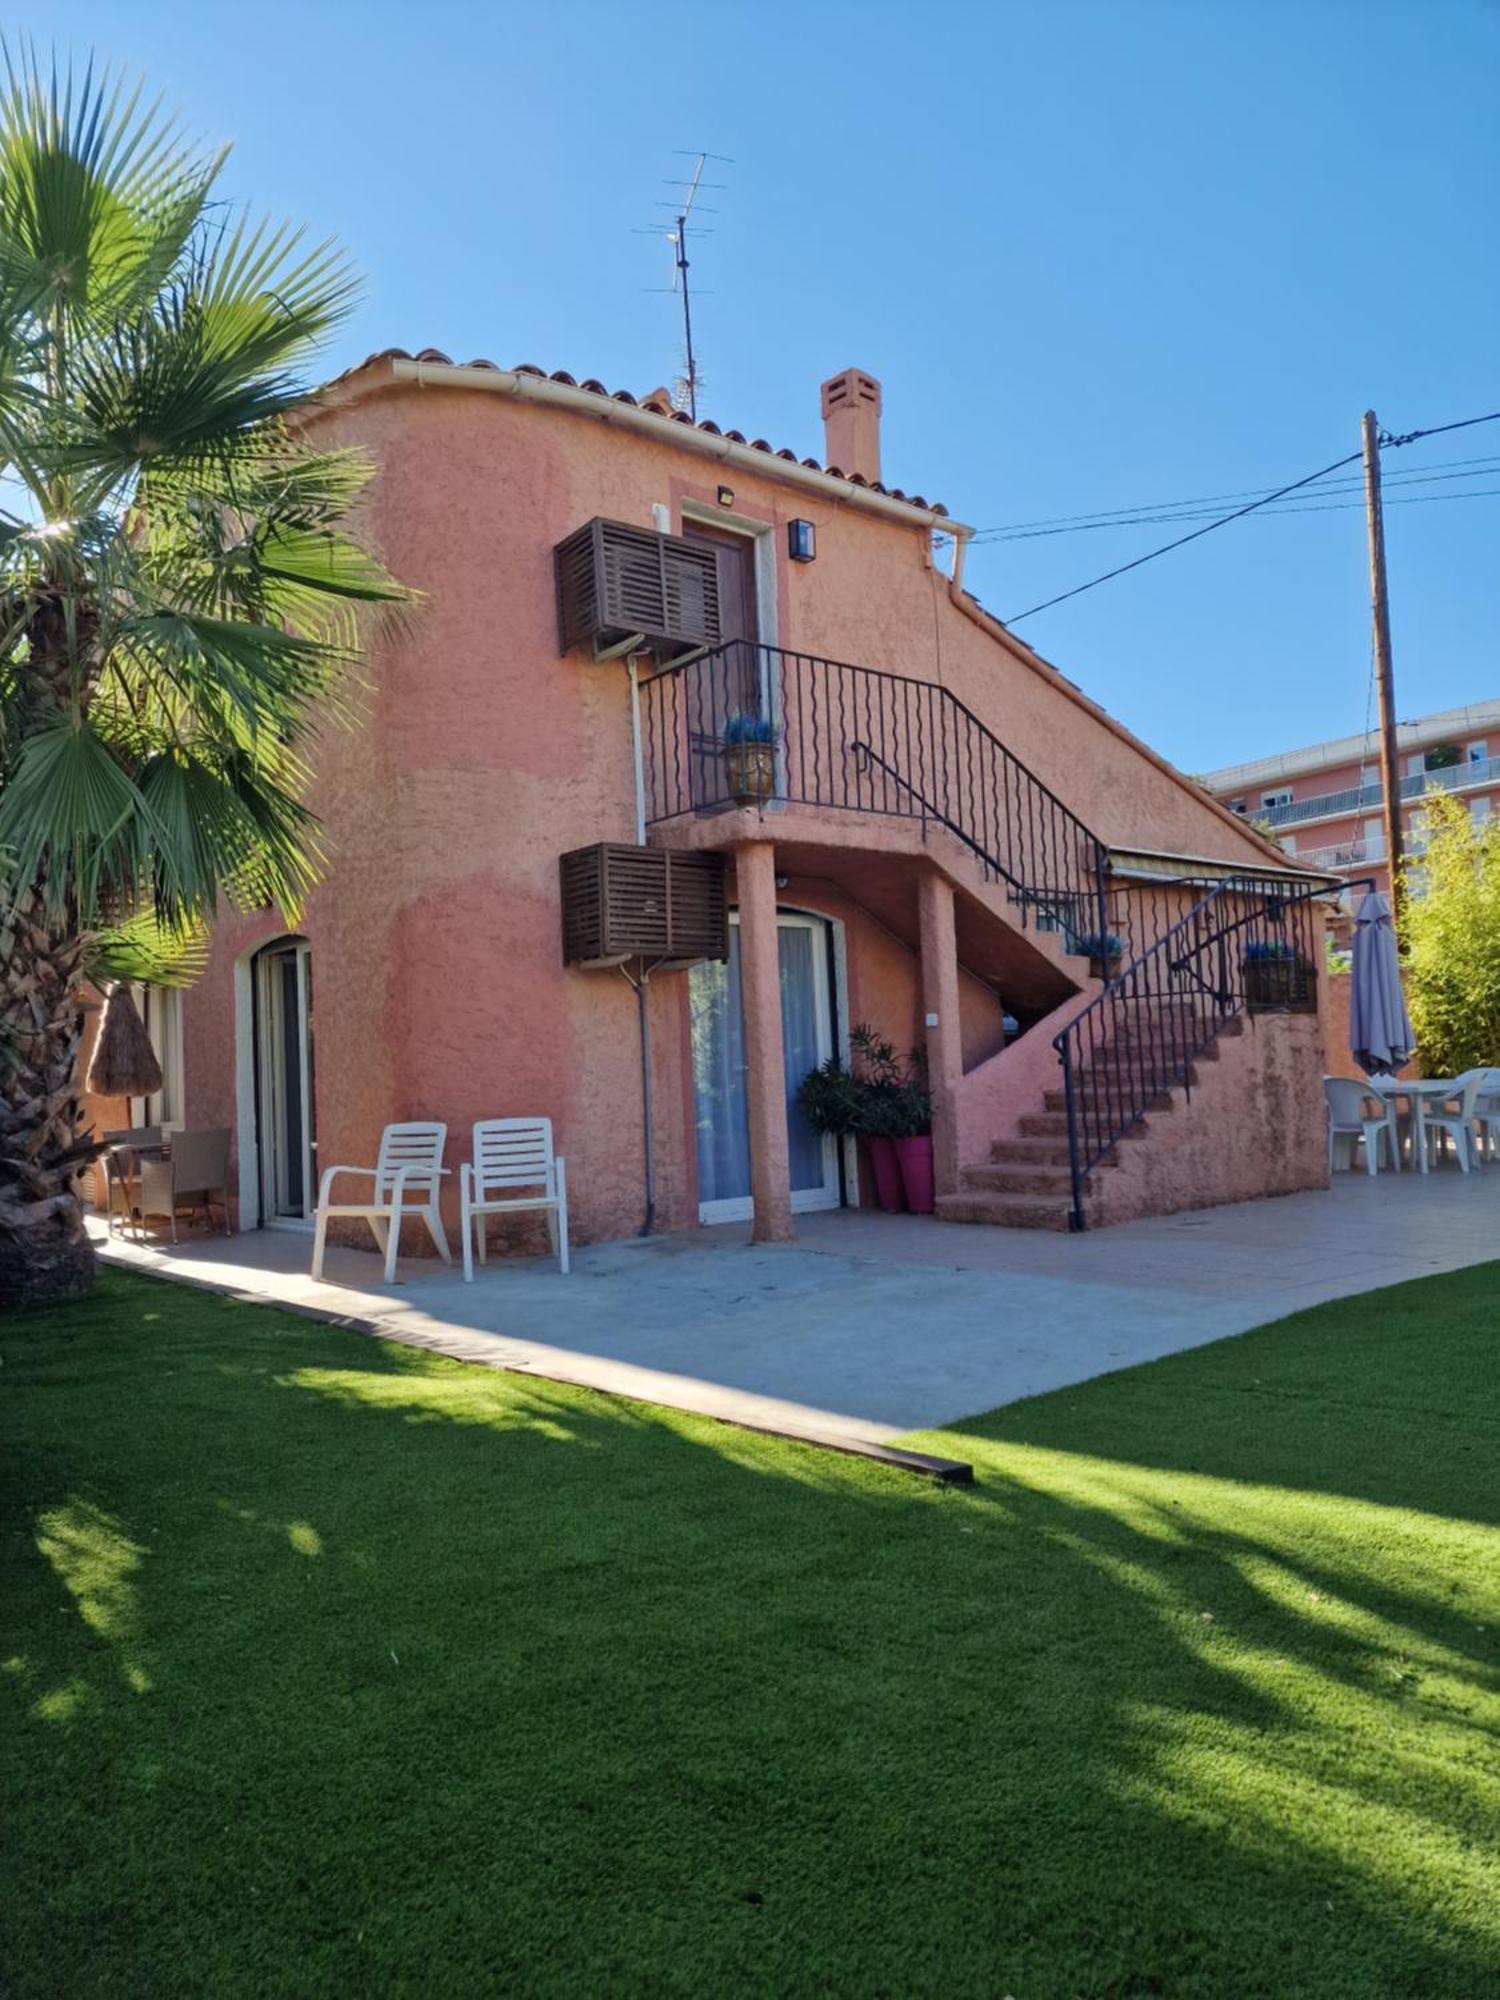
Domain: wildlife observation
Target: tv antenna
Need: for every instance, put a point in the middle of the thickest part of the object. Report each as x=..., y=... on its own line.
x=684, y=205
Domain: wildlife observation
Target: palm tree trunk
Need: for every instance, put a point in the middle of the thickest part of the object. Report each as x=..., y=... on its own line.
x=45, y=1252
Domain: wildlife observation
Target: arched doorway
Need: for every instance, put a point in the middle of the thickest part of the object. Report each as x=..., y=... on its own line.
x=285, y=1105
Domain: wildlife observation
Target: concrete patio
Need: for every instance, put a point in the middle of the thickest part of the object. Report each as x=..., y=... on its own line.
x=872, y=1325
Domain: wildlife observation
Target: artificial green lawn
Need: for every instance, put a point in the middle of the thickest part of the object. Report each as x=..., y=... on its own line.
x=335, y=1668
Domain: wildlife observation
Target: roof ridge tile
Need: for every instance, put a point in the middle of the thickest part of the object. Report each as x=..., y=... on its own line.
x=592, y=386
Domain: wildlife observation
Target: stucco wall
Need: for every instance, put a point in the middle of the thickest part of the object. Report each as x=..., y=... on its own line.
x=1253, y=1125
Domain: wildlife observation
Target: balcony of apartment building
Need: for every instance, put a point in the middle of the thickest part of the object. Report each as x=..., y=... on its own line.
x=1366, y=850
x=1448, y=768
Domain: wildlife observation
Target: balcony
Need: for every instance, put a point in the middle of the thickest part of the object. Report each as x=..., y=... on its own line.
x=1349, y=854
x=1368, y=798
x=752, y=725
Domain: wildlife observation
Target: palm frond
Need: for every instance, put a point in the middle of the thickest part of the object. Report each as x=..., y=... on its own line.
x=98, y=191
x=147, y=951
x=189, y=605
x=75, y=821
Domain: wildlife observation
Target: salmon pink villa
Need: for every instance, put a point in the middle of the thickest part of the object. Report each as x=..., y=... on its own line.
x=695, y=755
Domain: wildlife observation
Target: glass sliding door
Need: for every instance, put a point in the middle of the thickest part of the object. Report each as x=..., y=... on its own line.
x=719, y=1083
x=284, y=1097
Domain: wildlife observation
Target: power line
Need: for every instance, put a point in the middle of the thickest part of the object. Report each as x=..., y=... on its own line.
x=1254, y=506
x=1182, y=540
x=1160, y=510
x=1187, y=513
x=1387, y=441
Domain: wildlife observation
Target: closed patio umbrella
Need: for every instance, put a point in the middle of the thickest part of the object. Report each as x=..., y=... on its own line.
x=1380, y=1033
x=124, y=1063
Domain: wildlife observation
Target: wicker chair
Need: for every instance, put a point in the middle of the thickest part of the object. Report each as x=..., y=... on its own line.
x=116, y=1163
x=195, y=1173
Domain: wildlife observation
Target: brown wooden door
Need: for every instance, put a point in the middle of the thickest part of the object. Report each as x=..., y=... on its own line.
x=735, y=555
x=729, y=681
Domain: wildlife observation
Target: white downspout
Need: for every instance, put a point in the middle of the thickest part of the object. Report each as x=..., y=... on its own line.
x=637, y=751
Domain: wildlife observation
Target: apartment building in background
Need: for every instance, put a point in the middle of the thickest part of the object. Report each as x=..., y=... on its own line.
x=1325, y=803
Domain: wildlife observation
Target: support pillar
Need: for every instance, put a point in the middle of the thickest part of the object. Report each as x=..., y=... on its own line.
x=765, y=1059
x=944, y=1041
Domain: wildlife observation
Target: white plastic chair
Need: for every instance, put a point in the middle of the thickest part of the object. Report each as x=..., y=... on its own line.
x=1487, y=1114
x=1349, y=1118
x=406, y=1173
x=513, y=1153
x=1453, y=1117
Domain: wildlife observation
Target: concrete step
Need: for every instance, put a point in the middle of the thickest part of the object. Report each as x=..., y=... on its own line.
x=1007, y=1211
x=1046, y=1152
x=1044, y=1125
x=1107, y=1100
x=1022, y=1177
x=1120, y=1054
x=1039, y=1152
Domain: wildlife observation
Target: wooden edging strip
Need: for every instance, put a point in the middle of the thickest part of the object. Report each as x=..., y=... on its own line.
x=943, y=1471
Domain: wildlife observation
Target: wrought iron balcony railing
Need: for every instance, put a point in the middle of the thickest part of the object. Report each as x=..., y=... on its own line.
x=755, y=724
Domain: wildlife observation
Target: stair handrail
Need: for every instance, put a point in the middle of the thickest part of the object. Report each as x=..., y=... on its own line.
x=1031, y=808
x=1193, y=971
x=1056, y=901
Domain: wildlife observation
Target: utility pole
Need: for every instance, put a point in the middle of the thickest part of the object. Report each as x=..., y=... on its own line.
x=1380, y=611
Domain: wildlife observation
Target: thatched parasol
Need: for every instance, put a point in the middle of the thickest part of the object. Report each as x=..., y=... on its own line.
x=124, y=1063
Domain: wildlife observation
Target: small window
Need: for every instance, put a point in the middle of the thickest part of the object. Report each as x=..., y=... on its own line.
x=1476, y=753
x=1236, y=805
x=1271, y=800
x=1479, y=811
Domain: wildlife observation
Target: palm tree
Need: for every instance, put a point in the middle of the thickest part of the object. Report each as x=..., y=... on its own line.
x=179, y=600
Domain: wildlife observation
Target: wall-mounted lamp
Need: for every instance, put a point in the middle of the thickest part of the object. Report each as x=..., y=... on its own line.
x=801, y=541
x=726, y=496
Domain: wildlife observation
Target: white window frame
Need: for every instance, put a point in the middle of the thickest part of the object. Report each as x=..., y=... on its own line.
x=160, y=1009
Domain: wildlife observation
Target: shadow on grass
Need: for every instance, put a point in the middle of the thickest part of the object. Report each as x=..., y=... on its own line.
x=338, y=1665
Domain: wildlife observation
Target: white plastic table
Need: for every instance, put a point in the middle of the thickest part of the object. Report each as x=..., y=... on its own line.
x=1419, y=1094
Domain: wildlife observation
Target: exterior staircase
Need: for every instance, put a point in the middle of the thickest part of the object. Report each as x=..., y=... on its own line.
x=1027, y=1183
x=839, y=741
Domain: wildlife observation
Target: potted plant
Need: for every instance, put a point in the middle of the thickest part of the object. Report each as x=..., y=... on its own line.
x=895, y=1119
x=829, y=1098
x=914, y=1145
x=1277, y=976
x=750, y=758
x=1103, y=951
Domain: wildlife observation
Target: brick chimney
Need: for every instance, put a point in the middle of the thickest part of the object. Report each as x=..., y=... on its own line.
x=851, y=423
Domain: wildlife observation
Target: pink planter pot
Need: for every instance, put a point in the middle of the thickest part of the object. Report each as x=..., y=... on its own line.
x=886, y=1171
x=914, y=1157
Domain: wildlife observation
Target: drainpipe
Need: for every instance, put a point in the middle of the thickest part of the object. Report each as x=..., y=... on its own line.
x=636, y=751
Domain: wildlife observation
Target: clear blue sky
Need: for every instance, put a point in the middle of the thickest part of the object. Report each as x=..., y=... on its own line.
x=1098, y=254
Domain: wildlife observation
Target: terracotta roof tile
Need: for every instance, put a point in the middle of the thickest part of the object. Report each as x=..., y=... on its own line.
x=657, y=401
